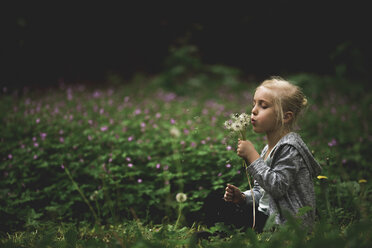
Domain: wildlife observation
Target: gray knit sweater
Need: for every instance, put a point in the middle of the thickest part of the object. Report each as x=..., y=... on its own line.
x=288, y=179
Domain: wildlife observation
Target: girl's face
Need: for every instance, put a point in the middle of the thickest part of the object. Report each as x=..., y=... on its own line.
x=263, y=115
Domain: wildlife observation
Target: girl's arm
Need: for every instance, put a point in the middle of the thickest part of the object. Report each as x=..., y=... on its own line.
x=257, y=194
x=277, y=179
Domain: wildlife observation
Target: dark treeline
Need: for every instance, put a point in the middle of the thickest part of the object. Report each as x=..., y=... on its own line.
x=40, y=44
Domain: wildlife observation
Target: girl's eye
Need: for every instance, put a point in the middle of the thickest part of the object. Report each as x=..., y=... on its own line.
x=264, y=106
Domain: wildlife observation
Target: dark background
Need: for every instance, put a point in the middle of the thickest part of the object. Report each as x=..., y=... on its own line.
x=83, y=42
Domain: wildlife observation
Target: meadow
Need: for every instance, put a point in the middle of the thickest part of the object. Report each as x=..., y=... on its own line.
x=101, y=165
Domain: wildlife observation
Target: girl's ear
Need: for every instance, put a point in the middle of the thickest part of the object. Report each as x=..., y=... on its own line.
x=288, y=116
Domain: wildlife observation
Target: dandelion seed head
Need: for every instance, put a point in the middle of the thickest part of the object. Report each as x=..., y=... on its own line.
x=175, y=132
x=181, y=197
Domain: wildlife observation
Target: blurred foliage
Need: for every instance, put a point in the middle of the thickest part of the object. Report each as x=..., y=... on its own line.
x=185, y=74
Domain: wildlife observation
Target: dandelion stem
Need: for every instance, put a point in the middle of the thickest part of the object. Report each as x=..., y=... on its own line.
x=179, y=214
x=242, y=133
x=253, y=200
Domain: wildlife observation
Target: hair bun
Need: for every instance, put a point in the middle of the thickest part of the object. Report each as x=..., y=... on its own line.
x=304, y=102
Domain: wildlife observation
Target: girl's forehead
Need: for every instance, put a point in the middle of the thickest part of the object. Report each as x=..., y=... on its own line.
x=263, y=93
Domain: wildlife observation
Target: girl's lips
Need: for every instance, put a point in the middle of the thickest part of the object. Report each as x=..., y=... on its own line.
x=253, y=121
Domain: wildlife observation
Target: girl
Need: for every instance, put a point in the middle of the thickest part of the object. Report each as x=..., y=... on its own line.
x=283, y=174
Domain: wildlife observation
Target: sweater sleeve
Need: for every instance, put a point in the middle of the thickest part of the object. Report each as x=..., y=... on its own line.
x=257, y=194
x=277, y=178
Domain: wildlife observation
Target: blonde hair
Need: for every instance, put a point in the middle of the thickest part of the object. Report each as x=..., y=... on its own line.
x=286, y=97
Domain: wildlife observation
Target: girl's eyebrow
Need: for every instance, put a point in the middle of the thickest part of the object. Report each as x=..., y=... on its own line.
x=262, y=100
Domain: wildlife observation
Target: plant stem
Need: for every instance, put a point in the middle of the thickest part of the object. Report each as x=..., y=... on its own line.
x=253, y=200
x=82, y=195
x=242, y=134
x=179, y=215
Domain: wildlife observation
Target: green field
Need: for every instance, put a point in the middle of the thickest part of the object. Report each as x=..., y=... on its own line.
x=100, y=165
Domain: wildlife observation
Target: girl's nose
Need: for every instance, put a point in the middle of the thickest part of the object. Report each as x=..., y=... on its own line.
x=254, y=110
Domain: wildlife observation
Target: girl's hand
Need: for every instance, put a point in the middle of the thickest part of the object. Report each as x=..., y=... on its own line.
x=247, y=151
x=233, y=194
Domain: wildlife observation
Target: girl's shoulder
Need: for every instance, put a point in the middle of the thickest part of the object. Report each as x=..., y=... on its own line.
x=293, y=141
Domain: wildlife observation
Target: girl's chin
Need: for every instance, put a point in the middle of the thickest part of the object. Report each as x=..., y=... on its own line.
x=257, y=130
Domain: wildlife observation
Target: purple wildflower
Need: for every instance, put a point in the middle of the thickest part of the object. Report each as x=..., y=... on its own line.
x=137, y=112
x=333, y=110
x=61, y=139
x=130, y=165
x=139, y=180
x=96, y=94
x=228, y=148
x=10, y=156
x=130, y=138
x=62, y=167
x=43, y=136
x=104, y=128
x=157, y=166
x=228, y=165
x=333, y=142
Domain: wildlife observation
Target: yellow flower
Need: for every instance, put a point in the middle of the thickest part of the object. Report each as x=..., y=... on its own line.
x=322, y=177
x=362, y=181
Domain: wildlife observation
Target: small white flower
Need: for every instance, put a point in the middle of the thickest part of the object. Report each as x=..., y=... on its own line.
x=175, y=132
x=238, y=122
x=236, y=126
x=227, y=124
x=181, y=197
